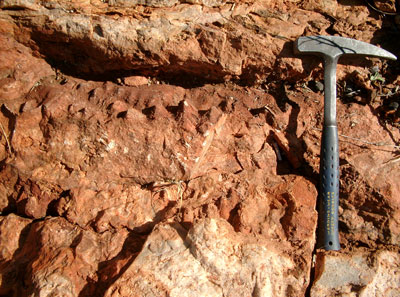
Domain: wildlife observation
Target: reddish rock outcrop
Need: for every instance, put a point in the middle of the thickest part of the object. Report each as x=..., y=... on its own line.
x=169, y=148
x=211, y=260
x=363, y=273
x=211, y=41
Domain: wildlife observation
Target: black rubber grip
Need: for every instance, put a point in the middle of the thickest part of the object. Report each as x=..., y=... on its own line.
x=328, y=237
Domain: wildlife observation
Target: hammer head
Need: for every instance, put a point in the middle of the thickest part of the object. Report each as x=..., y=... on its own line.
x=335, y=46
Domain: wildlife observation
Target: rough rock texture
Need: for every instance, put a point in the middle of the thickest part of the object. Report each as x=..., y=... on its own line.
x=171, y=148
x=211, y=41
x=211, y=260
x=359, y=274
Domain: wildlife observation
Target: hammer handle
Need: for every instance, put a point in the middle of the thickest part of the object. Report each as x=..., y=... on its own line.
x=329, y=190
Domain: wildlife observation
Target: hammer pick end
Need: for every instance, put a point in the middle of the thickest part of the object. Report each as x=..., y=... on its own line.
x=335, y=46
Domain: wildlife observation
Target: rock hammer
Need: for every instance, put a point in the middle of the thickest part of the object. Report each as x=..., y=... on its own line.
x=331, y=48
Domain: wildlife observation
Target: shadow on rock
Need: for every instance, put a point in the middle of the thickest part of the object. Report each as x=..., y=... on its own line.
x=294, y=148
x=109, y=271
x=17, y=271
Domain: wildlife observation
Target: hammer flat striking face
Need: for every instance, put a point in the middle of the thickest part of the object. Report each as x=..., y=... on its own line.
x=330, y=48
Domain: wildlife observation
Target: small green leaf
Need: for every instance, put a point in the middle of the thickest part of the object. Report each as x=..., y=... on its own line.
x=377, y=76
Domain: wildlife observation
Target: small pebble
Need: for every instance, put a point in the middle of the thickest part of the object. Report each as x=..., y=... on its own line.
x=374, y=69
x=319, y=86
x=316, y=86
x=392, y=108
x=393, y=105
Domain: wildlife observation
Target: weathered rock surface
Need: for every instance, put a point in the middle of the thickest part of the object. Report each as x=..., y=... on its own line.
x=207, y=40
x=55, y=258
x=362, y=273
x=125, y=172
x=211, y=260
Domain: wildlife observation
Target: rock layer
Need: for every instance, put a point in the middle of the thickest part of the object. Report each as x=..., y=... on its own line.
x=210, y=41
x=212, y=260
x=361, y=273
